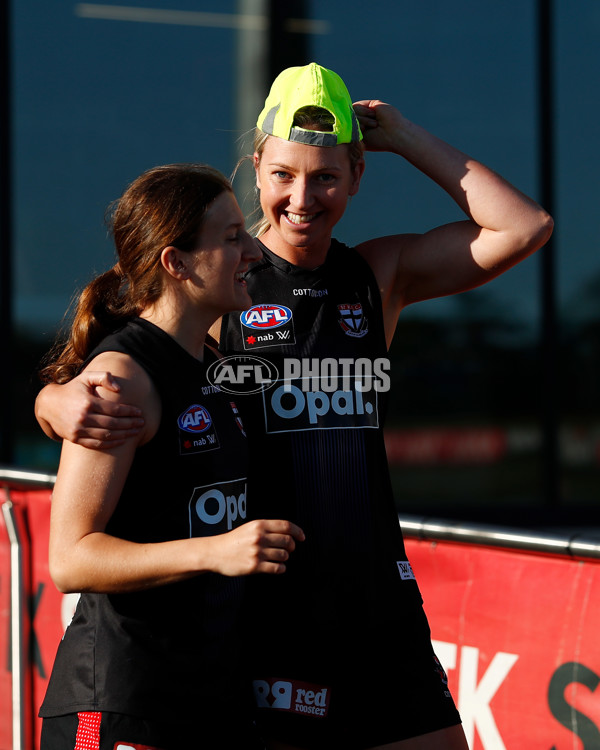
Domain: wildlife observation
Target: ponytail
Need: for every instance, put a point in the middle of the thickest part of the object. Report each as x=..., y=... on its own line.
x=164, y=206
x=101, y=309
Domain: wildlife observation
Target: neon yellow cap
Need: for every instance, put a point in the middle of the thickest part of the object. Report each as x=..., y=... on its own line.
x=309, y=85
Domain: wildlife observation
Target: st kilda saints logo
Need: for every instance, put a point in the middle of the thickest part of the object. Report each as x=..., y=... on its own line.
x=267, y=325
x=352, y=320
x=197, y=431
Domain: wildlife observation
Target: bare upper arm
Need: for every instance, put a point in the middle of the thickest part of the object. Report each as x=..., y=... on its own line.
x=446, y=260
x=413, y=267
x=135, y=389
x=89, y=482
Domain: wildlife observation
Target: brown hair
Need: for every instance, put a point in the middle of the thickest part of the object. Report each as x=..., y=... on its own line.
x=164, y=206
x=309, y=118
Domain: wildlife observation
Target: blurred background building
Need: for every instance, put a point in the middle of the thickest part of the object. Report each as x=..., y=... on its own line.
x=495, y=412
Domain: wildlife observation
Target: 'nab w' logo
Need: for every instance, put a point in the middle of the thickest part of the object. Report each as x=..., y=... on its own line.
x=267, y=325
x=197, y=432
x=352, y=320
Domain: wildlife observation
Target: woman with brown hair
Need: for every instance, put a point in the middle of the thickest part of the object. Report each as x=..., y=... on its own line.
x=154, y=532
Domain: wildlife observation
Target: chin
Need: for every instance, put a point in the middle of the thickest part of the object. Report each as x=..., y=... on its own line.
x=245, y=301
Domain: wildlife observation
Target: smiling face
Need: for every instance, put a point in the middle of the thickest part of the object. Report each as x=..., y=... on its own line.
x=222, y=256
x=303, y=193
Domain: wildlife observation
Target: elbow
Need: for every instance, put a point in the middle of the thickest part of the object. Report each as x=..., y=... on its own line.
x=526, y=238
x=63, y=577
x=61, y=581
x=546, y=228
x=540, y=231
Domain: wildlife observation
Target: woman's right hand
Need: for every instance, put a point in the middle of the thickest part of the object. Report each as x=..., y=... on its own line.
x=255, y=547
x=75, y=412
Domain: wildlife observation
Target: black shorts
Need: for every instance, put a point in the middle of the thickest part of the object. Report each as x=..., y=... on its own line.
x=355, y=689
x=95, y=730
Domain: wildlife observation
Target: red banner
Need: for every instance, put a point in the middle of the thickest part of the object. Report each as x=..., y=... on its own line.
x=46, y=603
x=15, y=574
x=518, y=636
x=516, y=633
x=46, y=612
x=435, y=446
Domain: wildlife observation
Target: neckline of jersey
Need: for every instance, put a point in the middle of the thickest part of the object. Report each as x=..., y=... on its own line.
x=290, y=268
x=209, y=355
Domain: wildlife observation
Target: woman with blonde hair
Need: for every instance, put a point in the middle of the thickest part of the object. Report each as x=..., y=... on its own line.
x=343, y=653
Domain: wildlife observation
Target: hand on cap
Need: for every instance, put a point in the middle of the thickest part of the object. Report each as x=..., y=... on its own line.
x=380, y=123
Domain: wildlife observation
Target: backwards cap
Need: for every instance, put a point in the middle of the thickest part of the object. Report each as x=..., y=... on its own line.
x=310, y=85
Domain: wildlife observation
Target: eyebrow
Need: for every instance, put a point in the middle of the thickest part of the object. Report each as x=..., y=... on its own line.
x=291, y=169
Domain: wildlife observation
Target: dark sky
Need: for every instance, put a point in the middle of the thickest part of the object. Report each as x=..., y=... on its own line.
x=98, y=101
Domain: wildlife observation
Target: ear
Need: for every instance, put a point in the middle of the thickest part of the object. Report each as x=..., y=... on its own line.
x=357, y=174
x=174, y=262
x=256, y=162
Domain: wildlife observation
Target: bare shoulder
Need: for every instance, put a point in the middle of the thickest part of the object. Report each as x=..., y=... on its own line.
x=136, y=387
x=384, y=255
x=134, y=382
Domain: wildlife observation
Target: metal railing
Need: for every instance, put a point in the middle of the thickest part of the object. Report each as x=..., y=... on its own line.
x=10, y=477
x=574, y=544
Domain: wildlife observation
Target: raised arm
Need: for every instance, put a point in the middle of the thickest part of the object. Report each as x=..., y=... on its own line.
x=503, y=226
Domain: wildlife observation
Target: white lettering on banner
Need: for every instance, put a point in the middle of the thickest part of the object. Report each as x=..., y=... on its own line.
x=474, y=698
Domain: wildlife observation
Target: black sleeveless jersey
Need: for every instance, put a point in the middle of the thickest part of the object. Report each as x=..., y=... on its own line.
x=173, y=648
x=317, y=454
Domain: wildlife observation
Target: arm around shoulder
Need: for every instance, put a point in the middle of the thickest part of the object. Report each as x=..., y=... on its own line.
x=77, y=411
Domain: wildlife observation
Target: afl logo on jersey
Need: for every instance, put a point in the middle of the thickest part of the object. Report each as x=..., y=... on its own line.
x=195, y=419
x=261, y=317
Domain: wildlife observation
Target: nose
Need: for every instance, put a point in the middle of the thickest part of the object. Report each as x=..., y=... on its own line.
x=301, y=194
x=251, y=251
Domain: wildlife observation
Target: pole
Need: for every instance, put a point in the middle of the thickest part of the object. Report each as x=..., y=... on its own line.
x=6, y=322
x=262, y=53
x=549, y=327
x=286, y=48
